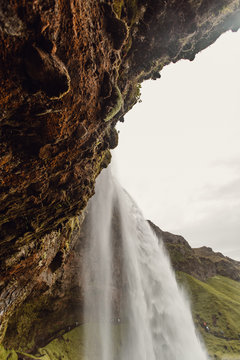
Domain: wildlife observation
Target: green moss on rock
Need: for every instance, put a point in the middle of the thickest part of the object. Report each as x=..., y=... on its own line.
x=7, y=354
x=113, y=105
x=70, y=346
x=25, y=329
x=67, y=347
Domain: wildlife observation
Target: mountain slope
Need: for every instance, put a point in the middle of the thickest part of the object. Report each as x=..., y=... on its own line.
x=216, y=302
x=212, y=282
x=202, y=263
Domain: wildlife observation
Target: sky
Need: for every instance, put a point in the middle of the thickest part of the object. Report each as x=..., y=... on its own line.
x=179, y=149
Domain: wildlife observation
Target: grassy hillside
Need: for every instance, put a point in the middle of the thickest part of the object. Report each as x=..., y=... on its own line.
x=216, y=302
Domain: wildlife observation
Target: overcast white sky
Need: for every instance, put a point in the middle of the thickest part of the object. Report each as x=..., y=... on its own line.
x=179, y=150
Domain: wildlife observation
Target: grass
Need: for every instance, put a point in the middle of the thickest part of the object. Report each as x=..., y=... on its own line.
x=216, y=302
x=70, y=346
x=67, y=347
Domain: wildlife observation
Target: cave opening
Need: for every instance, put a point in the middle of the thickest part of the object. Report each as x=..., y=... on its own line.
x=180, y=144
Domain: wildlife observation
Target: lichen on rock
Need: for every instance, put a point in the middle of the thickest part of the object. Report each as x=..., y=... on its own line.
x=113, y=104
x=68, y=346
x=7, y=354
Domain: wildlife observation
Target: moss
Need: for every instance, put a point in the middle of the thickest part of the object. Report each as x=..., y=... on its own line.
x=138, y=92
x=177, y=257
x=133, y=95
x=7, y=354
x=71, y=225
x=105, y=160
x=117, y=7
x=26, y=356
x=113, y=105
x=70, y=346
x=3, y=329
x=128, y=11
x=227, y=9
x=66, y=347
x=112, y=138
x=24, y=328
x=28, y=322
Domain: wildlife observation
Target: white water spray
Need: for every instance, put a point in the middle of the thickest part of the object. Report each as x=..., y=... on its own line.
x=134, y=309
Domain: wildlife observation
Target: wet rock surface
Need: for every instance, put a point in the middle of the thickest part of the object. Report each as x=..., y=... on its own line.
x=45, y=300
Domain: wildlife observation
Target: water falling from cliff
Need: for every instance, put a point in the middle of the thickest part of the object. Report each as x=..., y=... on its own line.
x=134, y=309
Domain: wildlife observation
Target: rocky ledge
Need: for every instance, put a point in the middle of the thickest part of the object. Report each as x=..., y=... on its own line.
x=201, y=263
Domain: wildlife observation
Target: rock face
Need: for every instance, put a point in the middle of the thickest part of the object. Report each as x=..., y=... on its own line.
x=68, y=72
x=202, y=263
x=55, y=304
x=45, y=296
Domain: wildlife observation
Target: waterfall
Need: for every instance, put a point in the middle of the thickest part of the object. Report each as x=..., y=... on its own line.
x=133, y=307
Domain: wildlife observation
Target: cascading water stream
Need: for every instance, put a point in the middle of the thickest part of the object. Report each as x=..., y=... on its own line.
x=134, y=309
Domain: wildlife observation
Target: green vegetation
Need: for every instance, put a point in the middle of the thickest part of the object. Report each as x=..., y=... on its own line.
x=69, y=346
x=179, y=254
x=216, y=302
x=66, y=347
x=126, y=9
x=138, y=93
x=117, y=101
x=23, y=328
x=7, y=354
x=129, y=12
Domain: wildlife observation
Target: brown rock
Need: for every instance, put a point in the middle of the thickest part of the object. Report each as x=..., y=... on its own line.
x=47, y=72
x=201, y=263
